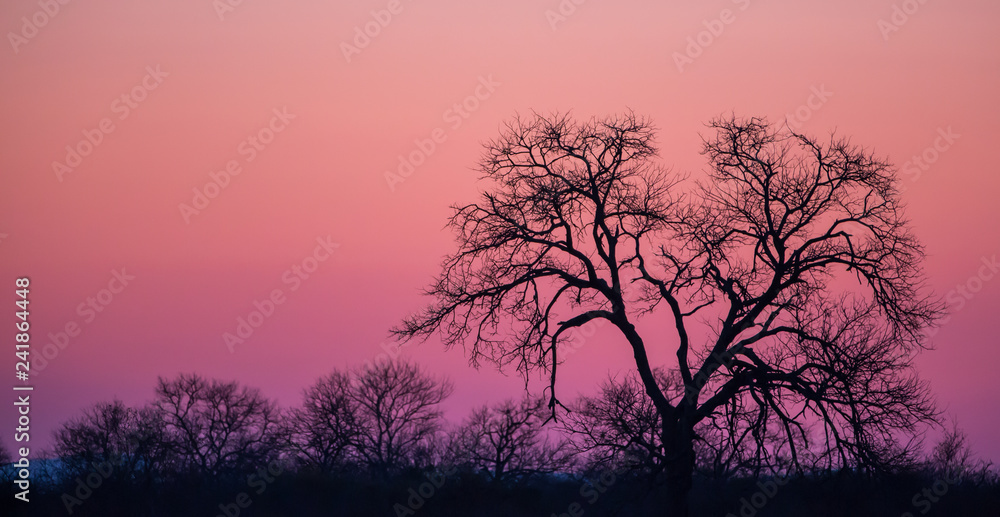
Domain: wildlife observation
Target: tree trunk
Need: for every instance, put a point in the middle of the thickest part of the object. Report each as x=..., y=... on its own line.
x=679, y=447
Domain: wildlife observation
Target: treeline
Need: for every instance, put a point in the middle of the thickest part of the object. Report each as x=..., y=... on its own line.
x=372, y=441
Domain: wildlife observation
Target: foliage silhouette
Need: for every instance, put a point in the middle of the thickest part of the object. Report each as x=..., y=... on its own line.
x=148, y=478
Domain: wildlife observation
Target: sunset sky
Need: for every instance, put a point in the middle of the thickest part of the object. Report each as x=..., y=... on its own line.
x=314, y=120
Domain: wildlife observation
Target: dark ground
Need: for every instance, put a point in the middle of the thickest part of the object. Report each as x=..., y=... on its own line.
x=295, y=495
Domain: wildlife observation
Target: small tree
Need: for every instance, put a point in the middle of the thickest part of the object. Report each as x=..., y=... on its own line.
x=618, y=429
x=216, y=427
x=398, y=414
x=952, y=458
x=322, y=432
x=507, y=443
x=124, y=444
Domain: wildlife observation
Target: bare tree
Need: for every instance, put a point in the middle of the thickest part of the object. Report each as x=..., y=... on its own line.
x=217, y=427
x=323, y=431
x=619, y=429
x=952, y=459
x=398, y=414
x=122, y=443
x=507, y=442
x=793, y=253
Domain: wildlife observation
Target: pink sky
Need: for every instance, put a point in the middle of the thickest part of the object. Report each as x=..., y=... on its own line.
x=323, y=175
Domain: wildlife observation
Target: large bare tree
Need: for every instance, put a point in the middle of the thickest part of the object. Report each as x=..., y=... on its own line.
x=788, y=273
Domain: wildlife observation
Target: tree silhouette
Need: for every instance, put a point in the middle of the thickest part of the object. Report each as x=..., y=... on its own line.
x=619, y=429
x=128, y=441
x=789, y=275
x=398, y=414
x=124, y=447
x=952, y=458
x=215, y=427
x=506, y=442
x=323, y=431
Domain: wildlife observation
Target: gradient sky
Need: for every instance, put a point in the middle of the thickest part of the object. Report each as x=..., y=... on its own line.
x=324, y=172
